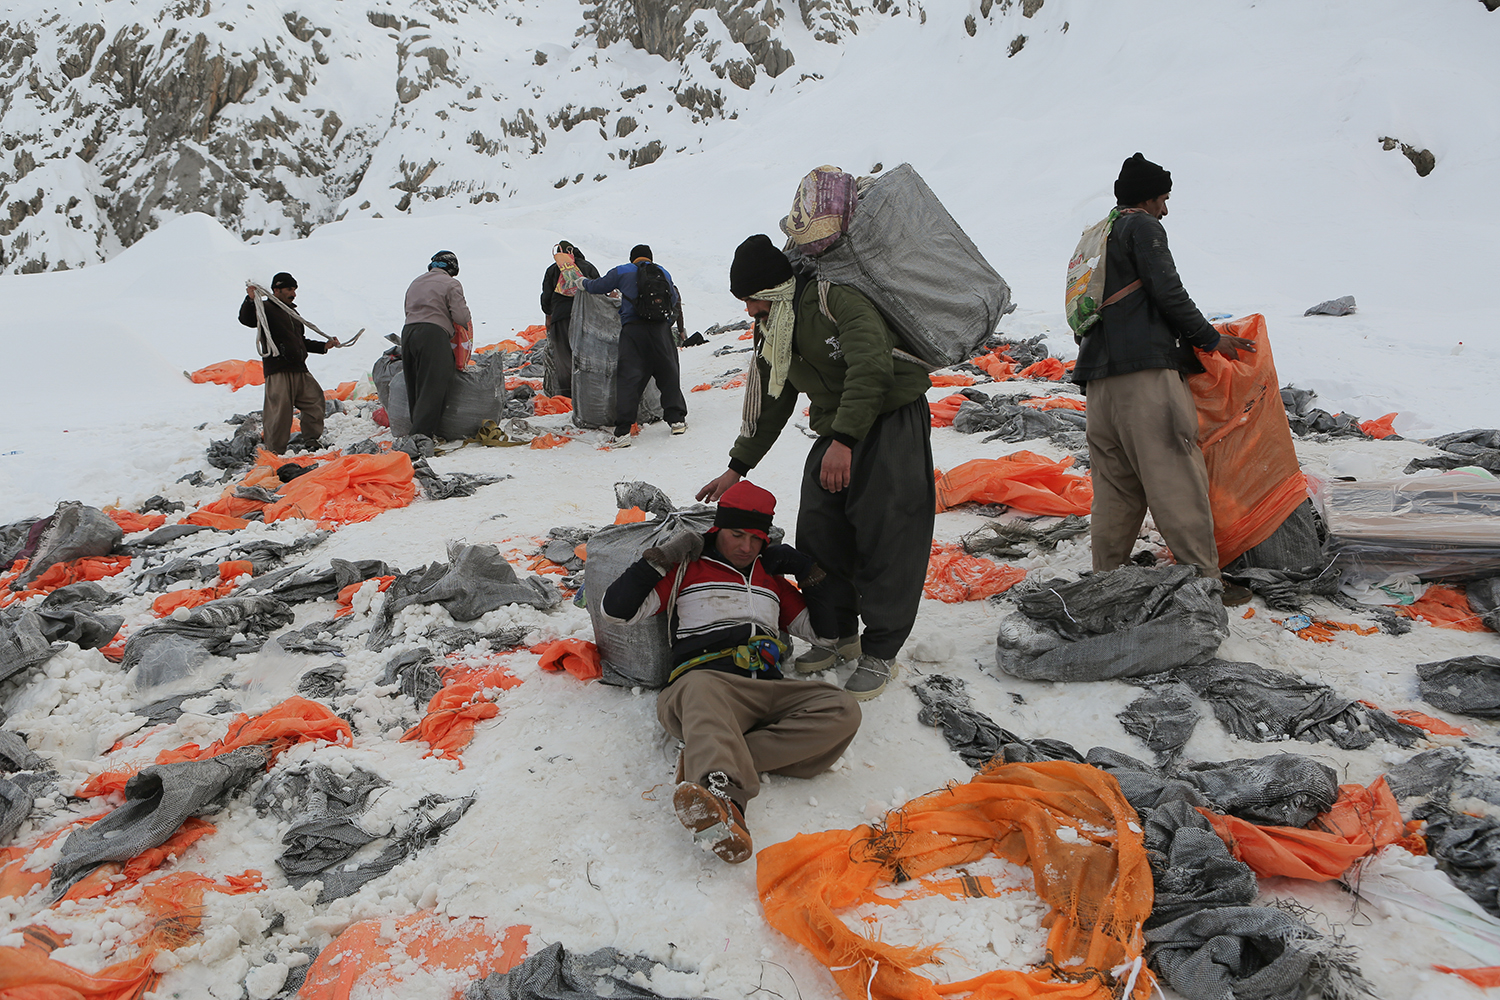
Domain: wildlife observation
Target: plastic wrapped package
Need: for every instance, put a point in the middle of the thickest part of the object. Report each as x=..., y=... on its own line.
x=1441, y=526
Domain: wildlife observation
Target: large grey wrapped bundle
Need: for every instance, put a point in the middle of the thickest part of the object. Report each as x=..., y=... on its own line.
x=906, y=254
x=594, y=335
x=1127, y=622
x=477, y=394
x=639, y=654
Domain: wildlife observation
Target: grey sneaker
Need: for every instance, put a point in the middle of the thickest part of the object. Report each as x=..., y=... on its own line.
x=716, y=822
x=870, y=677
x=620, y=441
x=818, y=658
x=679, y=428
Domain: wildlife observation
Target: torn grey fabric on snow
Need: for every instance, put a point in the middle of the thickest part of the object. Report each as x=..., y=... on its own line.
x=321, y=682
x=166, y=535
x=233, y=452
x=75, y=531
x=1464, y=685
x=455, y=484
x=1163, y=718
x=309, y=638
x=1281, y=789
x=1259, y=704
x=174, y=647
x=157, y=801
x=13, y=540
x=22, y=775
x=562, y=547
x=477, y=581
x=324, y=808
x=413, y=671
x=1341, y=306
x=435, y=816
x=297, y=584
x=974, y=736
x=1127, y=622
x=23, y=644
x=1484, y=600
x=170, y=709
x=1017, y=539
x=556, y=974
x=1306, y=419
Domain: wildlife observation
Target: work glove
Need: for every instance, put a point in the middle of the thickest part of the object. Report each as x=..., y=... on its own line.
x=683, y=547
x=783, y=559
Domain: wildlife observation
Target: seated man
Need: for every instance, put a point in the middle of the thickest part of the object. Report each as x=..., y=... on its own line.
x=727, y=699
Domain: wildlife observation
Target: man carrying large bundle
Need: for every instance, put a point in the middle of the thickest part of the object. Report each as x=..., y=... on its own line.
x=284, y=348
x=1134, y=364
x=868, y=497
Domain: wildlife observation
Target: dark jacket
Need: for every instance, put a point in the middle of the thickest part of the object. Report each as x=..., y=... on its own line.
x=623, y=278
x=287, y=334
x=1156, y=326
x=560, y=307
x=846, y=370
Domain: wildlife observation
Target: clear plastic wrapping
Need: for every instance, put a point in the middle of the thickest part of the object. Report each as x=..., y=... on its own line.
x=1445, y=525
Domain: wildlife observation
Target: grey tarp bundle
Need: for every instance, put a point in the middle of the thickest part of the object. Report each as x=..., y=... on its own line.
x=321, y=682
x=477, y=581
x=1288, y=567
x=1123, y=623
x=414, y=675
x=1011, y=540
x=173, y=648
x=476, y=394
x=562, y=544
x=238, y=450
x=594, y=333
x=457, y=484
x=1479, y=446
x=1163, y=718
x=15, y=539
x=556, y=974
x=639, y=654
x=1282, y=789
x=75, y=531
x=1484, y=600
x=68, y=614
x=1306, y=419
x=1466, y=846
x=308, y=638
x=1466, y=685
x=157, y=801
x=1341, y=306
x=1259, y=704
x=1008, y=421
x=916, y=264
x=436, y=814
x=387, y=369
x=22, y=773
x=170, y=709
x=296, y=584
x=323, y=808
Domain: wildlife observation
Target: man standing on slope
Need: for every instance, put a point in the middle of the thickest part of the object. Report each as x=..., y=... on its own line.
x=435, y=312
x=647, y=348
x=558, y=309
x=727, y=699
x=867, y=489
x=1134, y=364
x=283, y=356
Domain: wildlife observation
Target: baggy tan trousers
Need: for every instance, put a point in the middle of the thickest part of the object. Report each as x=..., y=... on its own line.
x=743, y=726
x=285, y=390
x=1143, y=453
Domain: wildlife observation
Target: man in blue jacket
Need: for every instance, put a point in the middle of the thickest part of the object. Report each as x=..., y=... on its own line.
x=647, y=348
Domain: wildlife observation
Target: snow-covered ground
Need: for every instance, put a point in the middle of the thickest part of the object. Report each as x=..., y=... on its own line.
x=1268, y=116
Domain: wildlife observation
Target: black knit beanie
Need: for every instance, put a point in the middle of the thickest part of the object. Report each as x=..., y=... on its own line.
x=1141, y=180
x=641, y=250
x=283, y=280
x=758, y=265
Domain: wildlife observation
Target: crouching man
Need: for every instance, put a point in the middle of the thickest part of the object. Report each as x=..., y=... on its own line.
x=727, y=699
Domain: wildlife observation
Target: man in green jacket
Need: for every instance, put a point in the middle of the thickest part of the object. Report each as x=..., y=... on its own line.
x=868, y=497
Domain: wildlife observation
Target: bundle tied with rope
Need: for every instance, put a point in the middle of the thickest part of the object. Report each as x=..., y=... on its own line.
x=264, y=343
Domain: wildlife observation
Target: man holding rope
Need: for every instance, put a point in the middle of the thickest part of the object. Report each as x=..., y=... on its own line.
x=283, y=353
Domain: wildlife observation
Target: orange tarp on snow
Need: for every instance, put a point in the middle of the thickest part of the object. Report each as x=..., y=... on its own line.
x=1095, y=877
x=957, y=378
x=369, y=956
x=546, y=405
x=953, y=575
x=130, y=522
x=1362, y=821
x=577, y=657
x=1056, y=403
x=945, y=409
x=1380, y=427
x=1048, y=370
x=1445, y=607
x=60, y=575
x=216, y=520
x=1254, y=482
x=351, y=488
x=346, y=596
x=549, y=440
x=1023, y=480
x=451, y=716
x=344, y=391
x=235, y=374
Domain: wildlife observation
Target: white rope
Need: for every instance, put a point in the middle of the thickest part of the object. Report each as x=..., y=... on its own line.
x=264, y=343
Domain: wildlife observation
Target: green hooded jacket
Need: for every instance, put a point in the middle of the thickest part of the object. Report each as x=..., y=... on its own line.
x=846, y=370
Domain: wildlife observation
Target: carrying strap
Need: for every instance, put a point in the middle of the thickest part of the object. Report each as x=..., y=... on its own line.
x=264, y=344
x=896, y=352
x=1134, y=286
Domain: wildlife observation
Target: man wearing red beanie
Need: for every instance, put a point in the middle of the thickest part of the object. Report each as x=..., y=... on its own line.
x=727, y=700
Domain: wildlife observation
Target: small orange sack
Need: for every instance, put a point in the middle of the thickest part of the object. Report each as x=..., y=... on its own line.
x=577, y=657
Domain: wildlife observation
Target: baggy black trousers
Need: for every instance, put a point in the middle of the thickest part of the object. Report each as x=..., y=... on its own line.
x=562, y=352
x=874, y=537
x=427, y=365
x=647, y=351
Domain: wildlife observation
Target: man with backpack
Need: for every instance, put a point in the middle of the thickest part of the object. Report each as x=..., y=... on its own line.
x=728, y=700
x=283, y=356
x=558, y=308
x=868, y=496
x=1134, y=363
x=438, y=332
x=648, y=350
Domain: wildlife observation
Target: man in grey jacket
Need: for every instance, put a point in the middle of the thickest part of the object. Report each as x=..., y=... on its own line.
x=1134, y=365
x=435, y=310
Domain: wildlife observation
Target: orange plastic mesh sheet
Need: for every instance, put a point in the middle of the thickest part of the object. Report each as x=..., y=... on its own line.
x=369, y=957
x=1024, y=480
x=229, y=572
x=130, y=522
x=1380, y=427
x=954, y=576
x=1362, y=821
x=544, y=406
x=452, y=714
x=630, y=515
x=235, y=374
x=945, y=409
x=1095, y=878
x=1254, y=482
x=996, y=364
x=1445, y=607
x=347, y=489
x=576, y=656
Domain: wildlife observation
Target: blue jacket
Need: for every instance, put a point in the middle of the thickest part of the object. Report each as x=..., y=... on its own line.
x=623, y=278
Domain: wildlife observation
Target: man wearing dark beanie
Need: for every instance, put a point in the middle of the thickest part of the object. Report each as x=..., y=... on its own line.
x=283, y=351
x=868, y=497
x=1134, y=364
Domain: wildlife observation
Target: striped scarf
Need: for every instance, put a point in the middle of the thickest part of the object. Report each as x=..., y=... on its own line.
x=775, y=342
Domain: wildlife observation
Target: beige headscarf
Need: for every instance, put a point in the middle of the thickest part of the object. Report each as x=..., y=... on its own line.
x=775, y=346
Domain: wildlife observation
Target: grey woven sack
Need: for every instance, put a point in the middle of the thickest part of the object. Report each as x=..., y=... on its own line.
x=397, y=409
x=909, y=257
x=387, y=368
x=476, y=394
x=638, y=655
x=594, y=334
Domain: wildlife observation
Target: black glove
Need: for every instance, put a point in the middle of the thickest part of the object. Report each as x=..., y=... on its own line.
x=783, y=559
x=683, y=547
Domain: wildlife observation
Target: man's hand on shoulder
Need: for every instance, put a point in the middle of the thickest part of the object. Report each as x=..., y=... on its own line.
x=1230, y=347
x=683, y=547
